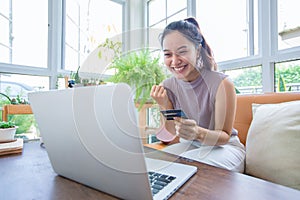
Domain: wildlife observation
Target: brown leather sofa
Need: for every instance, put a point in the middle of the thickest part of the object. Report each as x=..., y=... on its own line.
x=243, y=116
x=272, y=153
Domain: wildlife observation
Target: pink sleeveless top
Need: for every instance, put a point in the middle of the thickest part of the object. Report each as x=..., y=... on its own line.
x=196, y=98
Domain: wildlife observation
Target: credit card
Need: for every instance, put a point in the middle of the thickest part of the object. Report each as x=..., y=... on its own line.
x=170, y=114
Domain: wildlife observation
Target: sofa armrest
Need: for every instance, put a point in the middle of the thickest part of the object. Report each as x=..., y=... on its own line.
x=243, y=116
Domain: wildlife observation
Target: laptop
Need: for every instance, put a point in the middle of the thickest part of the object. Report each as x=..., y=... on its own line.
x=91, y=135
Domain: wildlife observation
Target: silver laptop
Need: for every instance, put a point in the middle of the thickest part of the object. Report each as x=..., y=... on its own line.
x=91, y=135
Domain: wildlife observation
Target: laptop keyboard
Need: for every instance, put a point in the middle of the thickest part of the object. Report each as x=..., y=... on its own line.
x=158, y=181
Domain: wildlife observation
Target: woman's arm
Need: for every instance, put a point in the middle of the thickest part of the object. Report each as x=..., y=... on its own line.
x=225, y=106
x=159, y=94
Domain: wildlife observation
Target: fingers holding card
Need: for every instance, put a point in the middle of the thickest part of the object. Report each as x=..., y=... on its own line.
x=170, y=114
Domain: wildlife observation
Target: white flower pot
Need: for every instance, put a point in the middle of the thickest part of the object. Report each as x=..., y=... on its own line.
x=7, y=134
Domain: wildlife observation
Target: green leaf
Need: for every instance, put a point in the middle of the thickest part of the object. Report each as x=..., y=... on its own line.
x=4, y=124
x=237, y=91
x=281, y=84
x=140, y=70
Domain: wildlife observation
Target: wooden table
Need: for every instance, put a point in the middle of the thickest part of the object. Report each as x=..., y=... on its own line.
x=30, y=176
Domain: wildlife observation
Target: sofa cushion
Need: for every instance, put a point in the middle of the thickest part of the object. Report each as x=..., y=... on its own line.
x=273, y=143
x=243, y=117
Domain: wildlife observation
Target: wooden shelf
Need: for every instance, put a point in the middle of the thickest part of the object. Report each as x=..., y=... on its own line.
x=18, y=109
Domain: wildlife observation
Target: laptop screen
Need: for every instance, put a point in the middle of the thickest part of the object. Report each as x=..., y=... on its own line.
x=91, y=135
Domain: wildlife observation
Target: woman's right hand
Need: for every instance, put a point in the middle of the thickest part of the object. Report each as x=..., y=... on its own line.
x=159, y=94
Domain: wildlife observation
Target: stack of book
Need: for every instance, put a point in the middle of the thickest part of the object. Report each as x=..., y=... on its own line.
x=11, y=147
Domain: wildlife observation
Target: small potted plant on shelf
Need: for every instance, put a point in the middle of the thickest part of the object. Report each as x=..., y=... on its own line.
x=7, y=131
x=14, y=101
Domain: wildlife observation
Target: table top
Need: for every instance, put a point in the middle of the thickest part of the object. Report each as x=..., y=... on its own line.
x=29, y=175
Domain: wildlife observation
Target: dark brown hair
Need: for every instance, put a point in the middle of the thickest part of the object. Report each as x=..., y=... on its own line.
x=190, y=29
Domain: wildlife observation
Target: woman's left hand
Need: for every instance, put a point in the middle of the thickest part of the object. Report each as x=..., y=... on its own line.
x=186, y=128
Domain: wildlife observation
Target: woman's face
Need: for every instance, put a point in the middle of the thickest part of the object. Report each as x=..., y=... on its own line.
x=180, y=56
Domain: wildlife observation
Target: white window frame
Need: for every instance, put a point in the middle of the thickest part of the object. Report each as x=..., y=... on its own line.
x=55, y=46
x=268, y=54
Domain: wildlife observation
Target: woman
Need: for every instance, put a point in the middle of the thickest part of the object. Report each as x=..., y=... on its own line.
x=206, y=96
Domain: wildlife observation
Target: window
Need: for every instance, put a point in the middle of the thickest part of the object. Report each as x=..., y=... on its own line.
x=228, y=27
x=88, y=24
x=165, y=11
x=22, y=84
x=246, y=80
x=153, y=123
x=287, y=76
x=17, y=87
x=160, y=13
x=24, y=56
x=24, y=36
x=246, y=36
x=32, y=39
x=5, y=22
x=275, y=32
x=288, y=24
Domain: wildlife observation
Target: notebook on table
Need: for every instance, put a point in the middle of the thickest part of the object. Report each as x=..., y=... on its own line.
x=91, y=135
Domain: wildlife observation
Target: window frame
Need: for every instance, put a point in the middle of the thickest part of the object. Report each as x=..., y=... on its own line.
x=55, y=54
x=268, y=54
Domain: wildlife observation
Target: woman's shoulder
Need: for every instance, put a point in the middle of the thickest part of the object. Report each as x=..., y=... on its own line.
x=214, y=77
x=211, y=73
x=169, y=81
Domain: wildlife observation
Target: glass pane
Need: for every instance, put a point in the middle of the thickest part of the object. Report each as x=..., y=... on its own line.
x=17, y=87
x=4, y=52
x=172, y=7
x=153, y=123
x=288, y=24
x=5, y=49
x=158, y=22
x=16, y=84
x=71, y=63
x=88, y=24
x=160, y=25
x=153, y=117
x=4, y=8
x=4, y=33
x=157, y=11
x=154, y=35
x=225, y=27
x=30, y=33
x=72, y=39
x=179, y=16
x=287, y=76
x=255, y=31
x=247, y=80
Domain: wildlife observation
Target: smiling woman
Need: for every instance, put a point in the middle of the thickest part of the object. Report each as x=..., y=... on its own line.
x=206, y=96
x=180, y=56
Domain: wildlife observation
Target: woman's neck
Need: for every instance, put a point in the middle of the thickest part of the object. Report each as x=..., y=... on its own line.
x=193, y=76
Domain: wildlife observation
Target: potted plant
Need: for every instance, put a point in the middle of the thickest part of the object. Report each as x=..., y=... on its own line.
x=17, y=100
x=139, y=69
x=7, y=131
x=14, y=109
